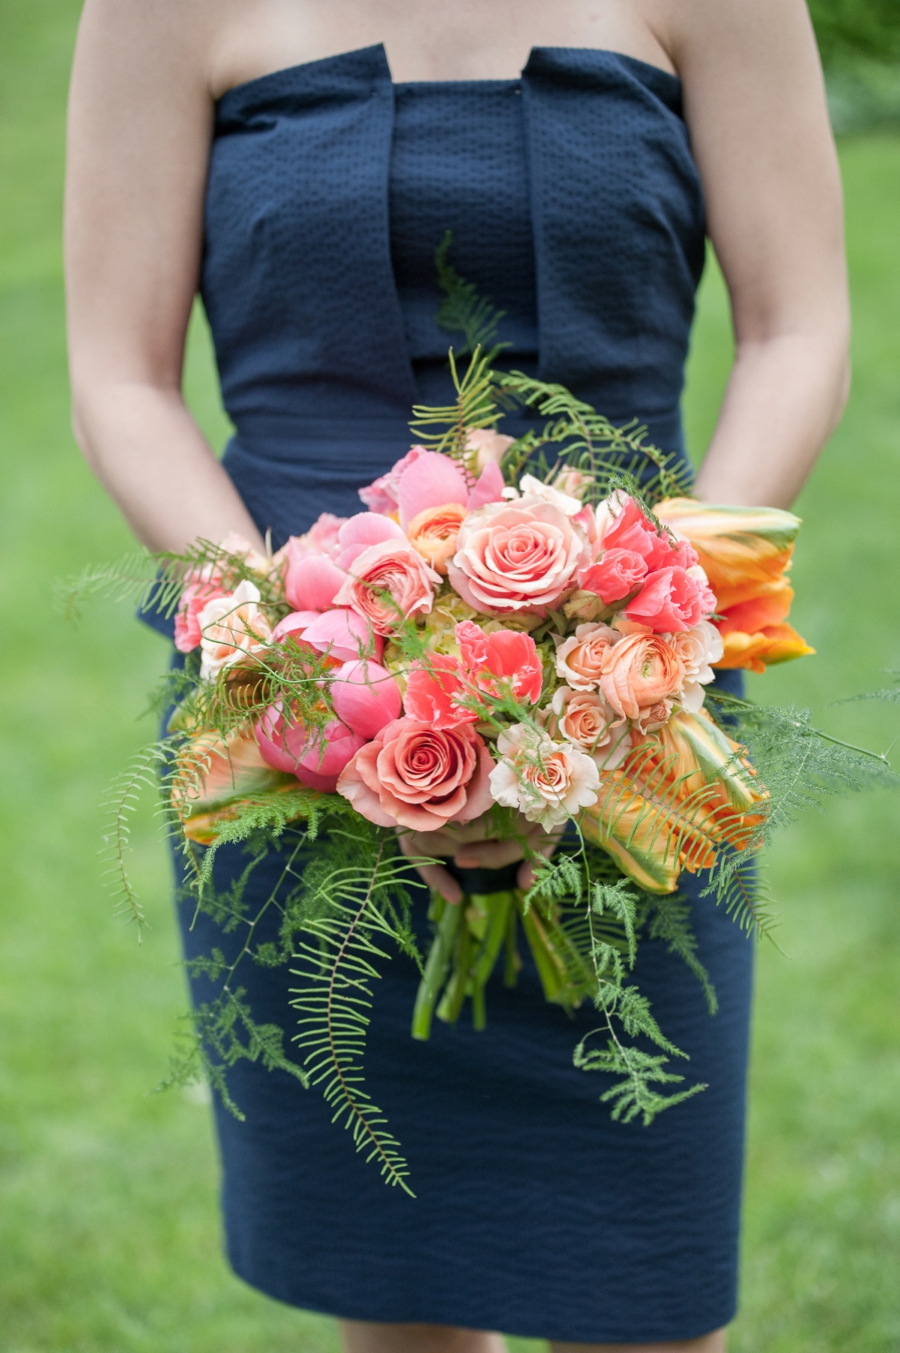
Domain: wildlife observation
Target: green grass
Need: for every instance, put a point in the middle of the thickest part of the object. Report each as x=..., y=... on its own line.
x=109, y=1234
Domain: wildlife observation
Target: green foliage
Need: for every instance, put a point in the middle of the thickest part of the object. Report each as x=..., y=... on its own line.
x=847, y=27
x=463, y=311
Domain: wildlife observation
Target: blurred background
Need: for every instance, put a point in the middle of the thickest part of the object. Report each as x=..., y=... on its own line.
x=109, y=1233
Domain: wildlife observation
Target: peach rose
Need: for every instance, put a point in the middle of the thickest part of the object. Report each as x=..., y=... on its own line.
x=517, y=557
x=387, y=584
x=433, y=532
x=489, y=447
x=580, y=658
x=234, y=630
x=416, y=776
x=641, y=674
x=698, y=649
x=547, y=781
x=587, y=719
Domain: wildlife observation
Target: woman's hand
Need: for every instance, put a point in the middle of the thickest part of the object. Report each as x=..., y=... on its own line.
x=470, y=847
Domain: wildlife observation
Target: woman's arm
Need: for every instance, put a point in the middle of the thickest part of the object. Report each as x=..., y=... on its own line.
x=139, y=130
x=755, y=105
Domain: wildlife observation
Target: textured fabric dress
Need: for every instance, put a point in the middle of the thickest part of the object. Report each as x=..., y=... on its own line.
x=575, y=206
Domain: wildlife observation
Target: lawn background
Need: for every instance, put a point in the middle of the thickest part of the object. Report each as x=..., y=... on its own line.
x=109, y=1235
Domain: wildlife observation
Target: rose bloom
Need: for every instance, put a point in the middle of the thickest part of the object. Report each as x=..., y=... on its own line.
x=387, y=583
x=547, y=781
x=698, y=649
x=640, y=676
x=587, y=719
x=573, y=482
x=532, y=488
x=434, y=531
x=616, y=574
x=630, y=529
x=490, y=447
x=233, y=629
x=416, y=776
x=382, y=495
x=187, y=618
x=580, y=658
x=517, y=557
x=671, y=600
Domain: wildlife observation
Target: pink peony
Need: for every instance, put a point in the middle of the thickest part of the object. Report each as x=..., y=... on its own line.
x=431, y=481
x=365, y=697
x=416, y=776
x=580, y=658
x=547, y=781
x=311, y=581
x=342, y=634
x=361, y=531
x=316, y=760
x=507, y=655
x=671, y=600
x=294, y=625
x=518, y=557
x=388, y=583
x=381, y=494
x=615, y=575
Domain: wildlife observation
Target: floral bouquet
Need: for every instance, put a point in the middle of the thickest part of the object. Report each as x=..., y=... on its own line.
x=515, y=636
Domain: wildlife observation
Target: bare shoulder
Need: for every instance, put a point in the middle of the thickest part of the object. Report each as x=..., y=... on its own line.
x=732, y=34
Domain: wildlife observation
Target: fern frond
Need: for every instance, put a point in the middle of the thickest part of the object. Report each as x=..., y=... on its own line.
x=120, y=804
x=462, y=310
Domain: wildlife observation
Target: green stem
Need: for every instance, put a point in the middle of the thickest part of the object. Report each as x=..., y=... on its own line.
x=435, y=970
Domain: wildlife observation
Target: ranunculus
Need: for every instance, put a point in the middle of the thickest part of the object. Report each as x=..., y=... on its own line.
x=698, y=649
x=615, y=575
x=587, y=719
x=234, y=630
x=187, y=618
x=489, y=446
x=388, y=583
x=518, y=557
x=416, y=776
x=381, y=494
x=580, y=658
x=365, y=697
x=641, y=674
x=547, y=781
x=432, y=691
x=434, y=531
x=672, y=600
x=508, y=657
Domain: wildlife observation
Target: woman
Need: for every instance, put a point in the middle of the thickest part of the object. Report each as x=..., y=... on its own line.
x=268, y=152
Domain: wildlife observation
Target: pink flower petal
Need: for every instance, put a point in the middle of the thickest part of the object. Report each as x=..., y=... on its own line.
x=431, y=481
x=361, y=531
x=313, y=582
x=343, y=634
x=365, y=696
x=489, y=488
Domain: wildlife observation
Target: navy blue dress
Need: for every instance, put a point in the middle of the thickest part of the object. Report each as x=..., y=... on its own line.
x=576, y=206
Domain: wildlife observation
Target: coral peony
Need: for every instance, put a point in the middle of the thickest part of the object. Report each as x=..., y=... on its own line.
x=388, y=583
x=518, y=557
x=671, y=600
x=234, y=630
x=580, y=658
x=416, y=776
x=641, y=674
x=434, y=531
x=547, y=781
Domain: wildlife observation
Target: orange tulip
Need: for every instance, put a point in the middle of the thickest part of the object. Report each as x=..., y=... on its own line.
x=213, y=775
x=746, y=554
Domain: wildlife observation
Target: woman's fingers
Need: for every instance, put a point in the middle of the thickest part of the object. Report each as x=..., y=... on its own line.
x=488, y=854
x=419, y=845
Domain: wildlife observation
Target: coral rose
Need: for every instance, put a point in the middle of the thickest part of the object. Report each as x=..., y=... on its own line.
x=518, y=557
x=234, y=630
x=641, y=674
x=580, y=658
x=387, y=584
x=547, y=781
x=434, y=531
x=671, y=600
x=416, y=776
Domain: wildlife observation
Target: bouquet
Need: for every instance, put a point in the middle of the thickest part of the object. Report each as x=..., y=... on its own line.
x=519, y=634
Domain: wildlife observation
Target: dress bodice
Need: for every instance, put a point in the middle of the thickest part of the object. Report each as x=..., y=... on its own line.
x=575, y=206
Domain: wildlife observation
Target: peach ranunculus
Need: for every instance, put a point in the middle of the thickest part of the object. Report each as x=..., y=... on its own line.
x=234, y=630
x=434, y=531
x=641, y=676
x=580, y=658
x=414, y=775
x=521, y=556
x=547, y=781
x=587, y=719
x=388, y=583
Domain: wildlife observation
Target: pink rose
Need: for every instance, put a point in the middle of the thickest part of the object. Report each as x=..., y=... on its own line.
x=580, y=658
x=547, y=781
x=671, y=600
x=640, y=676
x=381, y=494
x=490, y=446
x=388, y=583
x=507, y=655
x=616, y=574
x=412, y=775
x=187, y=618
x=521, y=557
